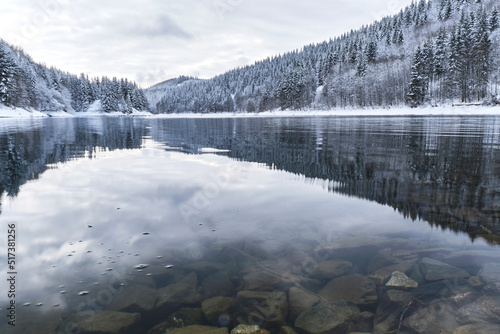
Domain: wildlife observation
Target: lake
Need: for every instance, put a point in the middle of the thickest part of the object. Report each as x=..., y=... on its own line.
x=318, y=224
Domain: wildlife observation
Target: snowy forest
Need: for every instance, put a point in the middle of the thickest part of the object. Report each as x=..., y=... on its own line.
x=436, y=52
x=26, y=84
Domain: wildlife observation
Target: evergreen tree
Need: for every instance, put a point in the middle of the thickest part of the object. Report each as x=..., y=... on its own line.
x=494, y=20
x=8, y=72
x=371, y=51
x=481, y=54
x=418, y=84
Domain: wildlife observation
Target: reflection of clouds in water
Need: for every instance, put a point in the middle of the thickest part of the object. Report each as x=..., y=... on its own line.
x=125, y=193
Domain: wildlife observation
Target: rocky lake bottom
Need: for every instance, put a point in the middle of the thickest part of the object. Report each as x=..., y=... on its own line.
x=353, y=284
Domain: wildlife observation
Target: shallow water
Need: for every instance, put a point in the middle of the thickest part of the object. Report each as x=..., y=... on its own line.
x=216, y=207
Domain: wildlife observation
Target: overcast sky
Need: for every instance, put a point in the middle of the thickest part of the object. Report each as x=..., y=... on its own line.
x=149, y=41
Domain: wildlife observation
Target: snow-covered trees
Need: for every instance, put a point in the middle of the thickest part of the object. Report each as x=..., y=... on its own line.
x=419, y=81
x=372, y=66
x=24, y=83
x=8, y=72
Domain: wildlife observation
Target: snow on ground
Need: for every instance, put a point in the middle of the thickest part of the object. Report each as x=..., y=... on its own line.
x=95, y=110
x=19, y=113
x=401, y=111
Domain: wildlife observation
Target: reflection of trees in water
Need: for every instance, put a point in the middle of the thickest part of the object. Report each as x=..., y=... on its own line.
x=446, y=174
x=419, y=166
x=27, y=153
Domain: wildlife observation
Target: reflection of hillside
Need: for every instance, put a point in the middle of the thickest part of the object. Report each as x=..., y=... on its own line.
x=444, y=171
x=26, y=154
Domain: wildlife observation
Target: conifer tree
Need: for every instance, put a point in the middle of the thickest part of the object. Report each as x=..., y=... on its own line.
x=8, y=72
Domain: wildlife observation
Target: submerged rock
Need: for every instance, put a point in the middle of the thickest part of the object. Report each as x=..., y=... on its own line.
x=261, y=280
x=198, y=329
x=353, y=288
x=475, y=281
x=435, y=270
x=331, y=269
x=182, y=318
x=269, y=309
x=480, y=328
x=104, y=322
x=392, y=304
x=383, y=274
x=182, y=293
x=287, y=330
x=362, y=323
x=400, y=280
x=217, y=284
x=331, y=318
x=299, y=301
x=134, y=299
x=217, y=310
x=204, y=267
x=436, y=318
x=490, y=276
x=388, y=257
x=483, y=309
x=248, y=329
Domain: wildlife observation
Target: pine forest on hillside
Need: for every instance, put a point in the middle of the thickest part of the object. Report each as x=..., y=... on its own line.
x=433, y=52
x=26, y=84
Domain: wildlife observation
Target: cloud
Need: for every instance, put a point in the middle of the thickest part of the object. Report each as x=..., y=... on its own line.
x=162, y=26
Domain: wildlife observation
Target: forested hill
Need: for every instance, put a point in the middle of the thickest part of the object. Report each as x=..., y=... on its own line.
x=26, y=84
x=432, y=52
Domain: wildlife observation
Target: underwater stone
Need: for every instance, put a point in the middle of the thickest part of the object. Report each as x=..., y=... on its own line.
x=485, y=308
x=331, y=269
x=490, y=273
x=183, y=292
x=435, y=270
x=104, y=322
x=437, y=318
x=216, y=307
x=218, y=284
x=270, y=308
x=331, y=318
x=197, y=329
x=248, y=329
x=354, y=288
x=182, y=318
x=299, y=301
x=287, y=330
x=132, y=299
x=400, y=280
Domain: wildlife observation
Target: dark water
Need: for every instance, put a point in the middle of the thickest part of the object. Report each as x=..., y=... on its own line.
x=300, y=211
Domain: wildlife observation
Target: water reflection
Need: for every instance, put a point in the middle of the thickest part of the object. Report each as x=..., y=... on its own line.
x=442, y=170
x=124, y=202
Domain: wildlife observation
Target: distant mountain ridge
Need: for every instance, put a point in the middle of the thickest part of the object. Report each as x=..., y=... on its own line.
x=432, y=52
x=29, y=85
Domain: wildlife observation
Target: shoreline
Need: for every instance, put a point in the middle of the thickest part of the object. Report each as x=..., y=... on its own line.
x=18, y=113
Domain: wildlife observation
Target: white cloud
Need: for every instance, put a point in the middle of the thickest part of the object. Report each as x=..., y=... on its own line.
x=153, y=40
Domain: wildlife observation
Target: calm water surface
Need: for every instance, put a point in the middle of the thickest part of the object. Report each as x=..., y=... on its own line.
x=153, y=216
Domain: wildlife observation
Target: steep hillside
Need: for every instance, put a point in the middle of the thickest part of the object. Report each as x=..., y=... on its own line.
x=26, y=84
x=432, y=52
x=155, y=93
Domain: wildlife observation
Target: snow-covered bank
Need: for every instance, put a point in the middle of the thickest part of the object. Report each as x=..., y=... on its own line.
x=6, y=112
x=402, y=111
